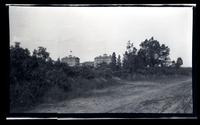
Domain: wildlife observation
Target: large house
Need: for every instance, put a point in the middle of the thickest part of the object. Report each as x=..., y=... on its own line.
x=71, y=60
x=100, y=59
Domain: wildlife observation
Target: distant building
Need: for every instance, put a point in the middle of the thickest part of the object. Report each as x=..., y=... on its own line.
x=100, y=59
x=88, y=63
x=71, y=60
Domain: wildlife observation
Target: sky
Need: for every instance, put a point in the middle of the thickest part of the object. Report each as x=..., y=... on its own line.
x=92, y=31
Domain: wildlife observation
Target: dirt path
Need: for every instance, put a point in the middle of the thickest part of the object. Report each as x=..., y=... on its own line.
x=130, y=97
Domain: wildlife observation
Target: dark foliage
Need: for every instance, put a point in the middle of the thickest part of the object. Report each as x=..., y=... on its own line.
x=31, y=75
x=151, y=58
x=113, y=64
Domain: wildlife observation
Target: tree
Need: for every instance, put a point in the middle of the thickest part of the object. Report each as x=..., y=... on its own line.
x=41, y=53
x=153, y=54
x=58, y=60
x=119, y=64
x=179, y=62
x=141, y=59
x=113, y=63
x=129, y=61
x=164, y=59
x=125, y=61
x=19, y=58
x=130, y=48
x=22, y=76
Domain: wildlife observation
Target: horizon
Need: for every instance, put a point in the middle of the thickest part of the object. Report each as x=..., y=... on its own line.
x=121, y=56
x=91, y=31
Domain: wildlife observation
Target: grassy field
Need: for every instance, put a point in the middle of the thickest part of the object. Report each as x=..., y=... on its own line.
x=164, y=95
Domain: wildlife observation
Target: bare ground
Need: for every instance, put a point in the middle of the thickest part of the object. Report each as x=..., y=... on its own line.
x=165, y=96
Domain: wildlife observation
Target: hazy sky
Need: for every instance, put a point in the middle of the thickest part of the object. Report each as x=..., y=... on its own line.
x=93, y=31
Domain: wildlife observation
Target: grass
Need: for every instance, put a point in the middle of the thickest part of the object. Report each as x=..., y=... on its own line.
x=82, y=87
x=78, y=88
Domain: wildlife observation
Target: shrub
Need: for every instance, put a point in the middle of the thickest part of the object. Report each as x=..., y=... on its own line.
x=87, y=72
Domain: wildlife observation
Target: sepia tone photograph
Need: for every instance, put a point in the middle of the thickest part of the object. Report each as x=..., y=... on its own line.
x=100, y=59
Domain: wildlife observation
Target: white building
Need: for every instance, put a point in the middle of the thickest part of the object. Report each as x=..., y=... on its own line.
x=100, y=59
x=71, y=60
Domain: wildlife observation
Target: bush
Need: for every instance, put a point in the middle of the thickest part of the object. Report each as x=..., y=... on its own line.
x=105, y=73
x=31, y=77
x=87, y=72
x=117, y=73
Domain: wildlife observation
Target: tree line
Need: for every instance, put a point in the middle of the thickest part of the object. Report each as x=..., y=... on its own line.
x=151, y=55
x=32, y=74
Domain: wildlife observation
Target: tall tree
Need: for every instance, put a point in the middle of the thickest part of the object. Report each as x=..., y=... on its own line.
x=129, y=61
x=119, y=64
x=141, y=59
x=164, y=59
x=19, y=58
x=153, y=53
x=125, y=61
x=113, y=63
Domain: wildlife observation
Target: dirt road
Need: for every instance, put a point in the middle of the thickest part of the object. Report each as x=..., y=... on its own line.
x=174, y=96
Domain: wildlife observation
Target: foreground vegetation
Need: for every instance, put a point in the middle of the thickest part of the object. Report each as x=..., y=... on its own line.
x=35, y=76
x=162, y=95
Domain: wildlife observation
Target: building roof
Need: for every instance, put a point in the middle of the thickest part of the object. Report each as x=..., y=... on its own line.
x=104, y=56
x=70, y=57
